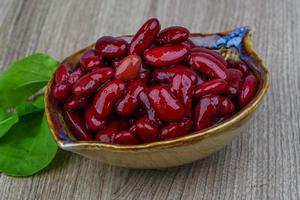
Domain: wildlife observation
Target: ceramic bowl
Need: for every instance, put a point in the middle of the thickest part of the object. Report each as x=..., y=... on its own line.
x=174, y=152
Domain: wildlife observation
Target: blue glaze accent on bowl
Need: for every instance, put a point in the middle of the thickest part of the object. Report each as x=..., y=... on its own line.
x=64, y=137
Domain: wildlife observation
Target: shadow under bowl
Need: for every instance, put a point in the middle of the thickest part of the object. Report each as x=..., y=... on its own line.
x=177, y=151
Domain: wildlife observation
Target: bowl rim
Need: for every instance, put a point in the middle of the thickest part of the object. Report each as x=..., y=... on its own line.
x=187, y=139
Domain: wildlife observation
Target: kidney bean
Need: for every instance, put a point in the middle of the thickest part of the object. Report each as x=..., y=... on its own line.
x=215, y=86
x=111, y=47
x=240, y=65
x=206, y=111
x=173, y=35
x=166, y=75
x=62, y=73
x=212, y=53
x=185, y=126
x=166, y=55
x=235, y=78
x=128, y=68
x=188, y=43
x=166, y=106
x=248, y=90
x=126, y=137
x=182, y=87
x=90, y=82
x=149, y=109
x=130, y=102
x=144, y=37
x=92, y=121
x=90, y=60
x=146, y=129
x=169, y=131
x=108, y=134
x=77, y=125
x=76, y=103
x=205, y=64
x=226, y=106
x=107, y=96
x=62, y=90
x=75, y=76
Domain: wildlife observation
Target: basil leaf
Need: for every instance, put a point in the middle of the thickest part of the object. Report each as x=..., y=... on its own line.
x=7, y=120
x=28, y=146
x=24, y=78
x=28, y=107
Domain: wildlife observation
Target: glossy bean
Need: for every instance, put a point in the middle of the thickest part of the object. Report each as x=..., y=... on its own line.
x=167, y=107
x=130, y=102
x=90, y=82
x=215, y=86
x=76, y=103
x=206, y=111
x=240, y=65
x=146, y=129
x=203, y=63
x=212, y=53
x=125, y=137
x=128, y=68
x=107, y=96
x=166, y=55
x=166, y=75
x=248, y=90
x=62, y=73
x=169, y=131
x=113, y=127
x=235, y=78
x=90, y=60
x=111, y=47
x=188, y=43
x=173, y=35
x=226, y=106
x=92, y=120
x=77, y=125
x=144, y=37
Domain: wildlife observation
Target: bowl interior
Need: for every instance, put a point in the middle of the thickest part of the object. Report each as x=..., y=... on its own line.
x=232, y=44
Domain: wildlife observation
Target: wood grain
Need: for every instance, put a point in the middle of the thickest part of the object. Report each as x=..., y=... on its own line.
x=262, y=163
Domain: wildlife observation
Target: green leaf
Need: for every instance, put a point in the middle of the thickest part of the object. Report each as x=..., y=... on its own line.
x=28, y=107
x=28, y=146
x=24, y=78
x=7, y=120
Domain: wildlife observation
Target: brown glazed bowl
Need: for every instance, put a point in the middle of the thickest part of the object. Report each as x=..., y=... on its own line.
x=174, y=152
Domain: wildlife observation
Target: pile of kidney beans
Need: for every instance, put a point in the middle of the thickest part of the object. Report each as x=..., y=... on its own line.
x=158, y=87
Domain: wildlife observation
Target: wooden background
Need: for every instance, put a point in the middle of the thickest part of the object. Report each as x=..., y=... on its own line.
x=262, y=163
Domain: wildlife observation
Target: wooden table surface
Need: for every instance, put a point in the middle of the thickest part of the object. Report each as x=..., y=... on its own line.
x=262, y=163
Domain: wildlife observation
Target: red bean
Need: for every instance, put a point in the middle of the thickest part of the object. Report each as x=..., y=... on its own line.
x=111, y=47
x=128, y=68
x=248, y=90
x=62, y=90
x=126, y=137
x=167, y=107
x=90, y=60
x=185, y=126
x=146, y=129
x=240, y=65
x=130, y=102
x=108, y=134
x=62, y=73
x=173, y=35
x=235, y=78
x=212, y=53
x=92, y=121
x=77, y=125
x=74, y=76
x=206, y=112
x=215, y=86
x=107, y=96
x=169, y=131
x=166, y=75
x=144, y=37
x=90, y=82
x=166, y=55
x=182, y=87
x=204, y=63
x=76, y=103
x=226, y=106
x=149, y=109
